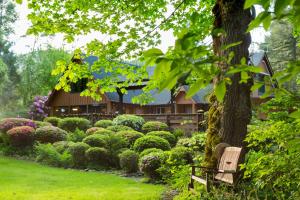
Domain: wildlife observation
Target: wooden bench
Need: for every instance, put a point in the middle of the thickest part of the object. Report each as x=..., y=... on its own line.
x=226, y=171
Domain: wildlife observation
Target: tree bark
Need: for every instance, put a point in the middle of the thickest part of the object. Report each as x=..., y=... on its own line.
x=228, y=120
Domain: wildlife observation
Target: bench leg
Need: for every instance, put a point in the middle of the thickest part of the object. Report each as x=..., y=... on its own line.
x=191, y=185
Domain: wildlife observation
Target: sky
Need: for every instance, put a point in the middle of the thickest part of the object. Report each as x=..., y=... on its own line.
x=25, y=43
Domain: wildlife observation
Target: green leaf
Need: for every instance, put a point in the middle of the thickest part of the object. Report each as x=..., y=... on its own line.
x=256, y=86
x=153, y=52
x=231, y=45
x=250, y=3
x=295, y=114
x=280, y=5
x=258, y=20
x=198, y=85
x=267, y=22
x=19, y=1
x=220, y=90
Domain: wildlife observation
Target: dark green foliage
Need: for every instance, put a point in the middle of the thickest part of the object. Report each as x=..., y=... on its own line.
x=178, y=132
x=71, y=123
x=76, y=136
x=132, y=121
x=48, y=154
x=196, y=142
x=104, y=132
x=40, y=124
x=50, y=134
x=115, y=144
x=129, y=161
x=53, y=120
x=154, y=126
x=104, y=123
x=97, y=156
x=180, y=156
x=96, y=140
x=165, y=135
x=131, y=136
x=117, y=128
x=77, y=150
x=61, y=146
x=147, y=142
x=149, y=164
x=21, y=136
x=151, y=150
x=92, y=130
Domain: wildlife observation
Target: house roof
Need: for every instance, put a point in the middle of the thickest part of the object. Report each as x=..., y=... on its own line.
x=201, y=95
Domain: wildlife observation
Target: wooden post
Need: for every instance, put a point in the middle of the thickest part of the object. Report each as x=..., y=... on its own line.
x=120, y=105
x=168, y=120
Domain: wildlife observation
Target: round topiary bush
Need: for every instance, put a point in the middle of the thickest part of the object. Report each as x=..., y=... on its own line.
x=154, y=126
x=97, y=156
x=52, y=120
x=181, y=156
x=77, y=150
x=132, y=121
x=147, y=142
x=103, y=123
x=62, y=146
x=151, y=150
x=40, y=124
x=92, y=130
x=150, y=163
x=131, y=136
x=71, y=123
x=129, y=161
x=21, y=136
x=50, y=134
x=95, y=140
x=117, y=128
x=9, y=123
x=165, y=135
x=104, y=132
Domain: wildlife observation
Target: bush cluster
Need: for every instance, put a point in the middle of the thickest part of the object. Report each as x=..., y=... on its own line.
x=76, y=136
x=131, y=136
x=40, y=124
x=21, y=136
x=92, y=130
x=117, y=128
x=150, y=142
x=97, y=156
x=154, y=126
x=104, y=132
x=52, y=120
x=132, y=121
x=62, y=146
x=70, y=124
x=95, y=140
x=77, y=150
x=151, y=150
x=104, y=123
x=165, y=135
x=129, y=161
x=50, y=134
x=149, y=165
x=9, y=123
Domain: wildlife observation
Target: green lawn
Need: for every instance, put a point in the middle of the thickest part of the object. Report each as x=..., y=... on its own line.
x=23, y=180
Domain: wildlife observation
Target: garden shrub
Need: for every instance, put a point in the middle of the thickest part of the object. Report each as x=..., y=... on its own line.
x=77, y=150
x=71, y=123
x=151, y=150
x=92, y=130
x=9, y=123
x=104, y=132
x=149, y=164
x=196, y=142
x=97, y=156
x=180, y=156
x=21, y=136
x=115, y=145
x=165, y=135
x=178, y=133
x=147, y=142
x=154, y=126
x=50, y=134
x=48, y=154
x=62, y=146
x=129, y=161
x=117, y=128
x=40, y=124
x=132, y=121
x=52, y=120
x=76, y=136
x=104, y=123
x=96, y=140
x=131, y=136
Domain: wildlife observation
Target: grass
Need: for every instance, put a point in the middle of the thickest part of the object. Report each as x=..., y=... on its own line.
x=24, y=180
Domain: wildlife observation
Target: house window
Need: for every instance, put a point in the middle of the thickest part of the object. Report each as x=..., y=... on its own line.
x=61, y=110
x=98, y=108
x=261, y=90
x=160, y=110
x=78, y=109
x=79, y=86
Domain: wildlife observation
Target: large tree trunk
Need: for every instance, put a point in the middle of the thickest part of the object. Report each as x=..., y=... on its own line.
x=227, y=121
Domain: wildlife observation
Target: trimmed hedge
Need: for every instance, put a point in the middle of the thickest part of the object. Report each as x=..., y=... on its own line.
x=129, y=161
x=117, y=128
x=77, y=150
x=149, y=164
x=104, y=132
x=147, y=142
x=9, y=123
x=21, y=136
x=50, y=134
x=71, y=123
x=92, y=130
x=165, y=135
x=104, y=123
x=131, y=136
x=154, y=126
x=95, y=140
x=40, y=124
x=132, y=121
x=97, y=156
x=151, y=150
x=52, y=120
x=62, y=146
x=181, y=156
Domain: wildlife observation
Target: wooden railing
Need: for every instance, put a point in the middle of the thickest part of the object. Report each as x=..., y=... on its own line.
x=186, y=121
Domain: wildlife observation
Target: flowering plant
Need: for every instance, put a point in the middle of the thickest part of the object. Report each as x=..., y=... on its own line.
x=38, y=109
